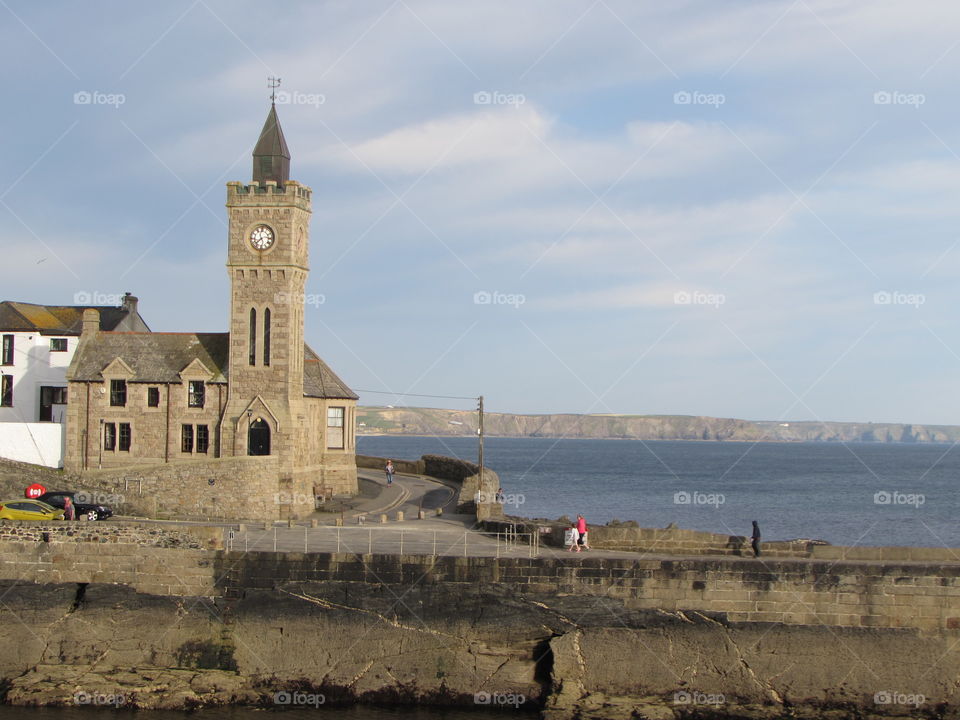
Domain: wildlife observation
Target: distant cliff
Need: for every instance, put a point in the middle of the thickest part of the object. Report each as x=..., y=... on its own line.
x=430, y=421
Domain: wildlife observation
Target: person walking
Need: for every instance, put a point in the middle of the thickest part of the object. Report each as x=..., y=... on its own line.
x=574, y=538
x=755, y=539
x=390, y=472
x=69, y=511
x=582, y=532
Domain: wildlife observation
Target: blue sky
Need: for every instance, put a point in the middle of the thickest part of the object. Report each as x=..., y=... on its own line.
x=739, y=209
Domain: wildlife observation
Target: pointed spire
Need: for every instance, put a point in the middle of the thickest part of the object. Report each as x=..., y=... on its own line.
x=271, y=158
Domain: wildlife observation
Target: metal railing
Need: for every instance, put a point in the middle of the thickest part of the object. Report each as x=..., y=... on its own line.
x=390, y=541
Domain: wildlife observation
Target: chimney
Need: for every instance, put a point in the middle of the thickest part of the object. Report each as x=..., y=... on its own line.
x=130, y=303
x=91, y=321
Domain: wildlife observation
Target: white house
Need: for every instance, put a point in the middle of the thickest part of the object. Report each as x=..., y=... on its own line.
x=38, y=343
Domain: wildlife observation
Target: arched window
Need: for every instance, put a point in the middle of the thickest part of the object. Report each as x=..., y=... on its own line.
x=266, y=336
x=253, y=336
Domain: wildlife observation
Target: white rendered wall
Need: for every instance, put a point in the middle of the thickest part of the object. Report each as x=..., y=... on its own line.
x=37, y=443
x=33, y=366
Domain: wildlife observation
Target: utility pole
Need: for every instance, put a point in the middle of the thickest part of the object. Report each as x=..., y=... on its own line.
x=480, y=434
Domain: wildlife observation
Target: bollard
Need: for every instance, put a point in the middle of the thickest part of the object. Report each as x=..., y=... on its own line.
x=314, y=523
x=291, y=523
x=360, y=519
x=241, y=528
x=383, y=519
x=339, y=522
x=421, y=515
x=439, y=511
x=399, y=515
x=267, y=524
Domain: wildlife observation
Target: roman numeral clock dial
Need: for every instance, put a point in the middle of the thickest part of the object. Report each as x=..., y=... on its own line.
x=262, y=238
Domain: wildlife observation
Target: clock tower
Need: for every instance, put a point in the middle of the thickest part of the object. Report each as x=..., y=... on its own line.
x=267, y=256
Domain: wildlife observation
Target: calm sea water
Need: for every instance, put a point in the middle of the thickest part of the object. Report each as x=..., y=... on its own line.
x=884, y=494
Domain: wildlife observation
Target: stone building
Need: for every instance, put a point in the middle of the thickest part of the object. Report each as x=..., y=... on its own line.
x=39, y=342
x=140, y=399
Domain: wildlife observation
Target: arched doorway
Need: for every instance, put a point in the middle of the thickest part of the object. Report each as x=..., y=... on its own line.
x=258, y=438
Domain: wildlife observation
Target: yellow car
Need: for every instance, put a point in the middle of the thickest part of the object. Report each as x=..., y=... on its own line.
x=28, y=510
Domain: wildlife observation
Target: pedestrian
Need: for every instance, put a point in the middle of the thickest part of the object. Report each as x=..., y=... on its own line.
x=574, y=538
x=582, y=532
x=390, y=472
x=69, y=511
x=500, y=497
x=755, y=539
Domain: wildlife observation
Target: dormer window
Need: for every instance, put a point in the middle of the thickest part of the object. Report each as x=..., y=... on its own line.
x=118, y=393
x=196, y=393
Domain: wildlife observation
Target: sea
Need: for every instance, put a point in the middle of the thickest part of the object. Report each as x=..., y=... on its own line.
x=845, y=494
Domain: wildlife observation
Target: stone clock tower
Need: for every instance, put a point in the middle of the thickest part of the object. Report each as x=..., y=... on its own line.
x=267, y=261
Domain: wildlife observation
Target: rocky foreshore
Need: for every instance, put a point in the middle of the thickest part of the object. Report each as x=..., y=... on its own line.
x=464, y=644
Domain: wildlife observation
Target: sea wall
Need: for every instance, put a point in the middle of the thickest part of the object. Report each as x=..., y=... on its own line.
x=415, y=639
x=476, y=496
x=840, y=593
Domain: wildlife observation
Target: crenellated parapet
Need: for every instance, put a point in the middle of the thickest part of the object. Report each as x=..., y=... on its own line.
x=266, y=193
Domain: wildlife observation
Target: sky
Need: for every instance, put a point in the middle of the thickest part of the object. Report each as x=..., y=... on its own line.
x=738, y=209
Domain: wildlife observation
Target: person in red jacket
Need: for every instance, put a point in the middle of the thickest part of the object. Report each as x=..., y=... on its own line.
x=582, y=529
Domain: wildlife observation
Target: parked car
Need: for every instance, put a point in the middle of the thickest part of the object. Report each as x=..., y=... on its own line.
x=29, y=510
x=81, y=509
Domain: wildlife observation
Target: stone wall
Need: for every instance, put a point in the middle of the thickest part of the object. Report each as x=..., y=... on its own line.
x=843, y=593
x=146, y=534
x=230, y=488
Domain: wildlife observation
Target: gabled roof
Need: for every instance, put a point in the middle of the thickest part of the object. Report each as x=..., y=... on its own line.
x=153, y=357
x=160, y=357
x=54, y=319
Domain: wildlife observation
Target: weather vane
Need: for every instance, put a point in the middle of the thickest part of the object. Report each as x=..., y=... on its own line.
x=273, y=83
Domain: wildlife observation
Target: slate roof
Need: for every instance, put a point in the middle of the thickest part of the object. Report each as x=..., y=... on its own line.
x=54, y=319
x=159, y=357
x=322, y=382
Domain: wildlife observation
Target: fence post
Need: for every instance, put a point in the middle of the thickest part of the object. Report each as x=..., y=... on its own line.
x=434, y=543
x=305, y=538
x=338, y=539
x=274, y=539
x=401, y=542
x=465, y=545
x=370, y=542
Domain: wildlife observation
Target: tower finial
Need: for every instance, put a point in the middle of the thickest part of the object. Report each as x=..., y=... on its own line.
x=273, y=83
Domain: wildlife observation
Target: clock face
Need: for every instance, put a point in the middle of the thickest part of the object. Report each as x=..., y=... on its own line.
x=262, y=238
